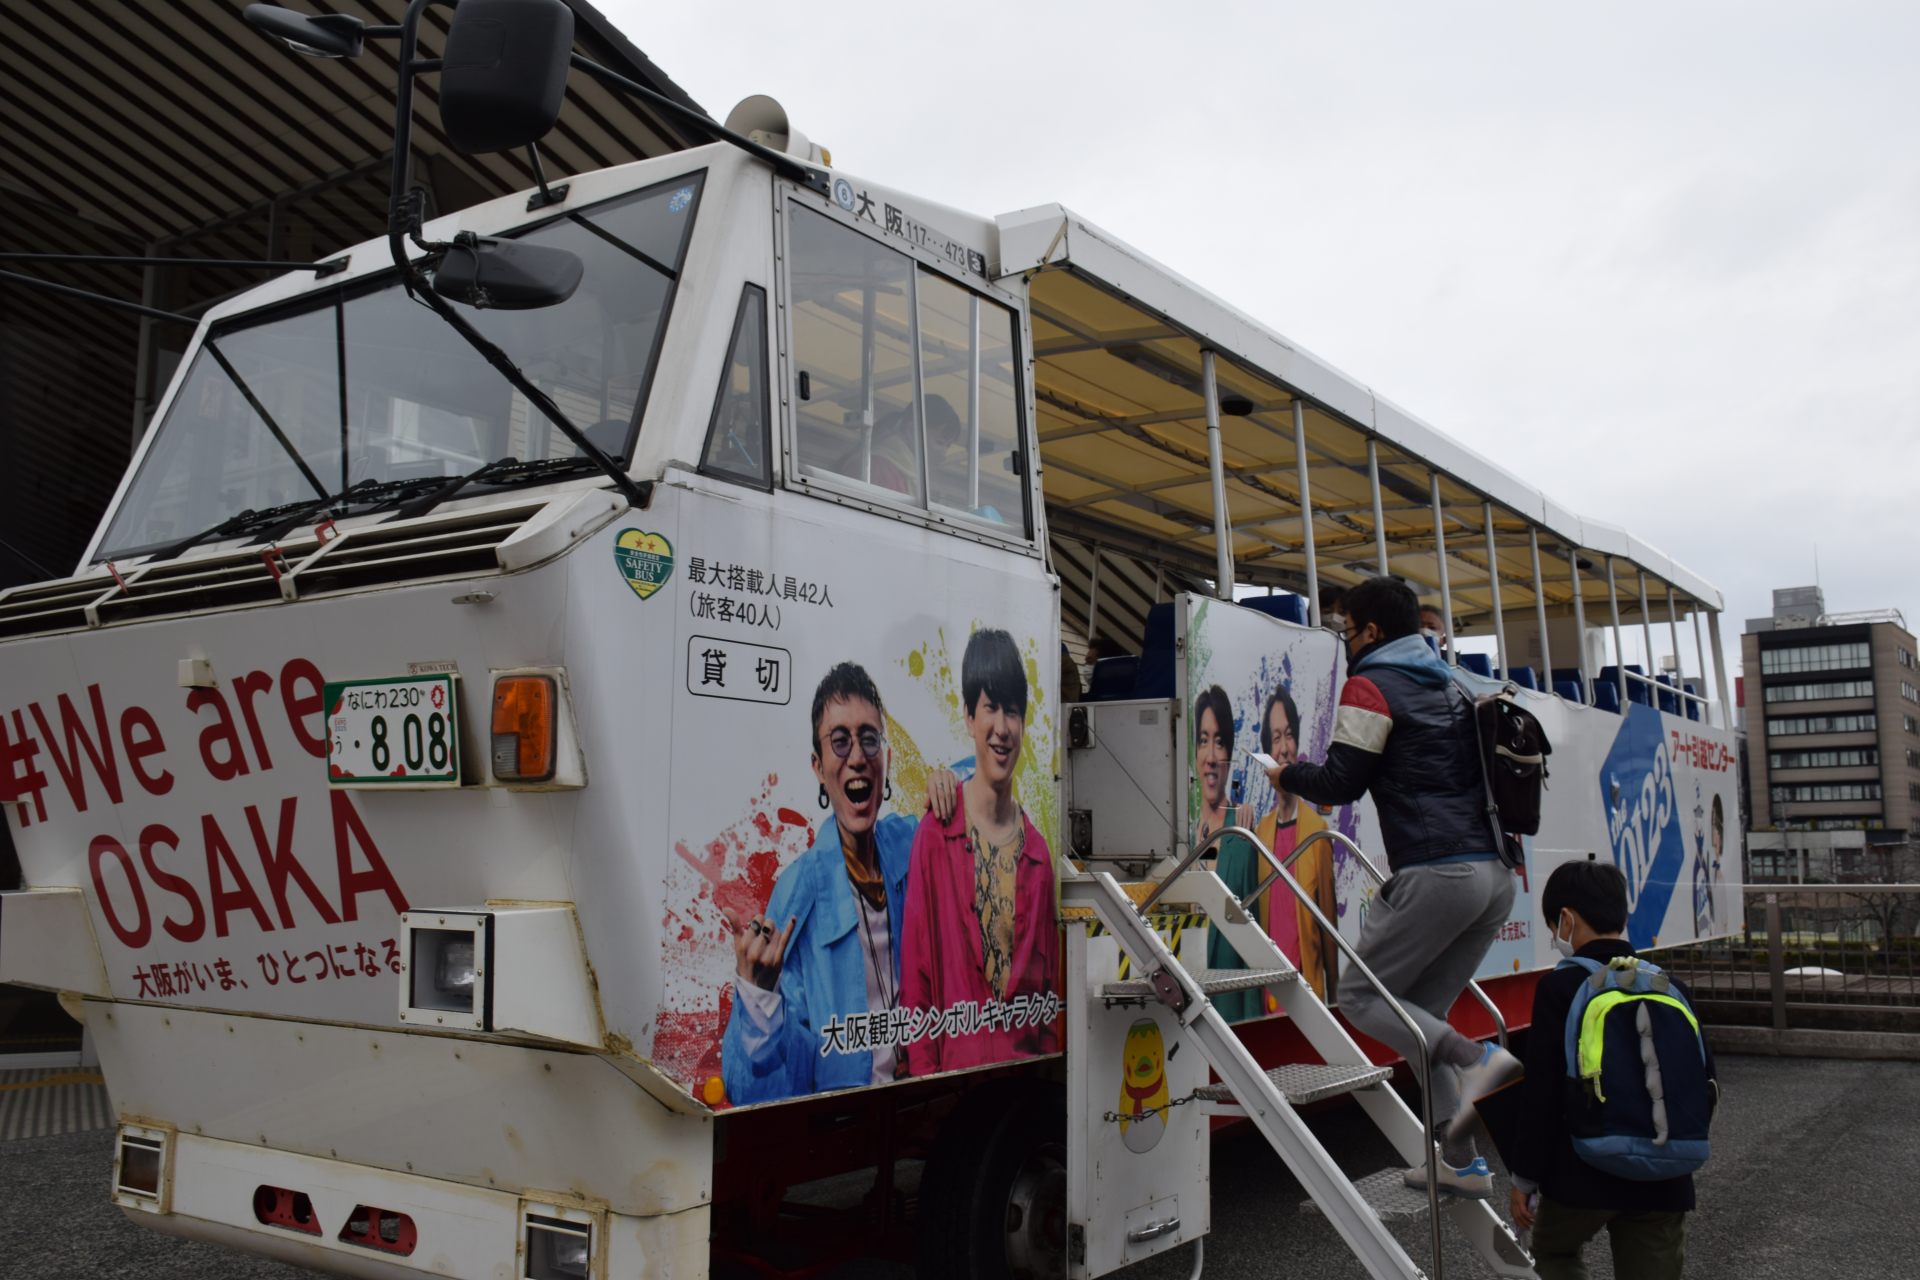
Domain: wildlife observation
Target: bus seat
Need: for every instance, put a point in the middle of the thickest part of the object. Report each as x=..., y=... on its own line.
x=1568, y=689
x=1113, y=678
x=1606, y=696
x=1153, y=677
x=1478, y=663
x=1287, y=608
x=1524, y=677
x=1566, y=673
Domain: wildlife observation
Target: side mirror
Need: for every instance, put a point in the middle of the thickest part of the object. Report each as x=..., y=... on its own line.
x=504, y=75
x=333, y=35
x=506, y=275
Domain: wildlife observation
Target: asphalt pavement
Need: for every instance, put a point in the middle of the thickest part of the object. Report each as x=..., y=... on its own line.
x=1814, y=1167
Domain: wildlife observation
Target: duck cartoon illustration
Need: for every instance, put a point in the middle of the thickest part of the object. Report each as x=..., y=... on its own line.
x=1143, y=1086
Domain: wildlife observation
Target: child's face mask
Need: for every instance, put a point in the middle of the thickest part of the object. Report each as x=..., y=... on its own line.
x=1563, y=946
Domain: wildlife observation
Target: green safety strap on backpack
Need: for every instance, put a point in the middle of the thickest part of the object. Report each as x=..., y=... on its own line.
x=1593, y=1027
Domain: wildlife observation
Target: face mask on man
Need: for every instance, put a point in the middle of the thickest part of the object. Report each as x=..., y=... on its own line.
x=1563, y=946
x=1334, y=621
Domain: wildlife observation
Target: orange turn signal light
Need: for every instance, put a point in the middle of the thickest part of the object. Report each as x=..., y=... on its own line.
x=523, y=728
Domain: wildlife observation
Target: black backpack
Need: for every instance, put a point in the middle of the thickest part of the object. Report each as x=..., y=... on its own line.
x=1513, y=765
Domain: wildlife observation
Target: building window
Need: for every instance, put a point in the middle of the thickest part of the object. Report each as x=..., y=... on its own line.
x=1910, y=724
x=1815, y=692
x=1813, y=657
x=1788, y=726
x=1823, y=792
x=1842, y=758
x=1908, y=692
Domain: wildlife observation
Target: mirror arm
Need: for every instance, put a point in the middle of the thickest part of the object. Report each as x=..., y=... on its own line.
x=785, y=165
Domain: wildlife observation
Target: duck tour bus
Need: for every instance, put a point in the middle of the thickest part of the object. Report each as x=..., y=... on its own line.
x=566, y=755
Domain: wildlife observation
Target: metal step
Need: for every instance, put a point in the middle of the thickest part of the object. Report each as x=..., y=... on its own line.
x=1388, y=1195
x=1303, y=1082
x=1211, y=981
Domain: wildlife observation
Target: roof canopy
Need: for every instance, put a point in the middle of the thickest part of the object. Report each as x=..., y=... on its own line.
x=1118, y=346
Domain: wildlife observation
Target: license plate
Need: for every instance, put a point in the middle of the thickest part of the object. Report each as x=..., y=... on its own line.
x=400, y=731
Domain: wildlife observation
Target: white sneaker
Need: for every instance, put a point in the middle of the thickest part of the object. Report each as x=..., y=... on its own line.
x=1474, y=1181
x=1496, y=1069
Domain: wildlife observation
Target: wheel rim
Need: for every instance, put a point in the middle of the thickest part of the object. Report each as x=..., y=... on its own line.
x=1036, y=1220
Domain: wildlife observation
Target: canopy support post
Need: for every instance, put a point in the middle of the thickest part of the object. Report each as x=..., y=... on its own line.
x=1646, y=633
x=1379, y=517
x=1720, y=669
x=1540, y=609
x=1580, y=627
x=1700, y=659
x=1440, y=558
x=1619, y=642
x=1306, y=510
x=1679, y=668
x=1493, y=589
x=1093, y=595
x=1222, y=526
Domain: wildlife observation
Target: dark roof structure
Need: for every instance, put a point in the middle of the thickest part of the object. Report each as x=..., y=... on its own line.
x=171, y=128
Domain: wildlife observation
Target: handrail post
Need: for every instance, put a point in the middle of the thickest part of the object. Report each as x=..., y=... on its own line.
x=1776, y=963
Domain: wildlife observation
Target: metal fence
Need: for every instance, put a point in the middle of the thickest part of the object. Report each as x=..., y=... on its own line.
x=1811, y=952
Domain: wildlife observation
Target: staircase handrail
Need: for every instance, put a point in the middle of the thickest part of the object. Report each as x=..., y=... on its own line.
x=1423, y=1051
x=1328, y=833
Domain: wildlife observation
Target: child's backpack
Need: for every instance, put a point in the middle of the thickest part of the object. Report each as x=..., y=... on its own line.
x=1639, y=1098
x=1513, y=762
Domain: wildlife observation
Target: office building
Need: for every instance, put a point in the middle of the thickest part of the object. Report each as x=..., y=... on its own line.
x=1833, y=737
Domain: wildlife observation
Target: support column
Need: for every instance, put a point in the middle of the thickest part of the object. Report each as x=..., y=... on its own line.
x=1440, y=557
x=1679, y=668
x=1700, y=662
x=1619, y=644
x=1306, y=510
x=1540, y=610
x=1646, y=632
x=1093, y=596
x=1580, y=626
x=1493, y=591
x=1379, y=516
x=1222, y=526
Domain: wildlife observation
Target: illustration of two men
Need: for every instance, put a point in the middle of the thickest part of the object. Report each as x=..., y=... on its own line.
x=930, y=933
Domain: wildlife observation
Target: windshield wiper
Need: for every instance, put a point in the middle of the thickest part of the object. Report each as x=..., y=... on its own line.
x=248, y=521
x=500, y=472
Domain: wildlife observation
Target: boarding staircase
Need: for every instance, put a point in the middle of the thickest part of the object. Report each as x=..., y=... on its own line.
x=1156, y=983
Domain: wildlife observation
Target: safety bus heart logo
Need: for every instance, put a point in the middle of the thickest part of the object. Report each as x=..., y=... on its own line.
x=645, y=560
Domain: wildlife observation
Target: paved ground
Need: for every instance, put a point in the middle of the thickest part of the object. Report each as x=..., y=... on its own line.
x=1814, y=1166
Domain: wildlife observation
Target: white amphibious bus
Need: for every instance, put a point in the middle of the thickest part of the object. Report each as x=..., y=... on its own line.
x=476, y=789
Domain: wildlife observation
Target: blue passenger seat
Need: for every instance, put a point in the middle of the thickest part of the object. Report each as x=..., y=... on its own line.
x=1478, y=663
x=1568, y=689
x=1113, y=678
x=1287, y=608
x=1606, y=696
x=1524, y=677
x=1154, y=676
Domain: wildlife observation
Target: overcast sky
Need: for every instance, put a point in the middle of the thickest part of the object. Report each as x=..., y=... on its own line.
x=1660, y=260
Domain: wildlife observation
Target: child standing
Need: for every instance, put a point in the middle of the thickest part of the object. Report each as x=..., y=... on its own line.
x=1565, y=1200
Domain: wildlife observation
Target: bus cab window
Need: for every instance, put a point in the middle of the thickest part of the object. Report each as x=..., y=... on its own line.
x=738, y=433
x=971, y=412
x=852, y=316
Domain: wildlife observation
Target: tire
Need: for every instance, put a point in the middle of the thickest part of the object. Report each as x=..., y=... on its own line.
x=993, y=1198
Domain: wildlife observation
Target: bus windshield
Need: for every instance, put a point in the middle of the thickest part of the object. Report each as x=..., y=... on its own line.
x=364, y=383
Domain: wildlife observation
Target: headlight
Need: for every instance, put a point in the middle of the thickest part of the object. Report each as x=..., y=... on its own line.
x=448, y=956
x=557, y=1250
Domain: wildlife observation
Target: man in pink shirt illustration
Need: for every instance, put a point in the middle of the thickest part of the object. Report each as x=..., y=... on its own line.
x=980, y=927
